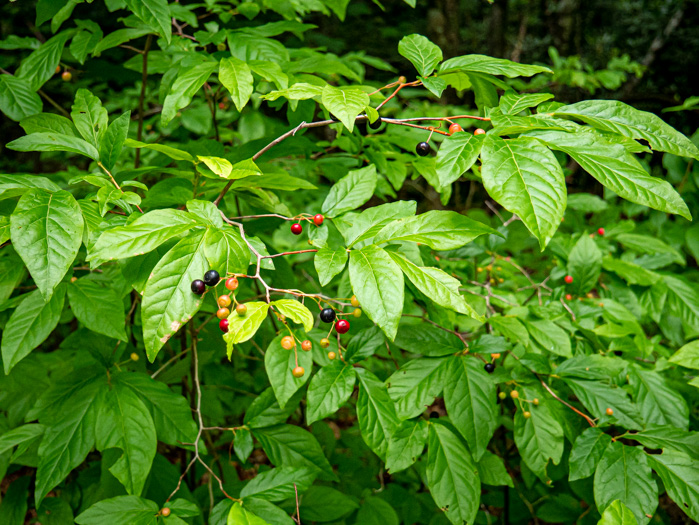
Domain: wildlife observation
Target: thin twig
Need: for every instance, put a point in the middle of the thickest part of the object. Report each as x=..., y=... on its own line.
x=142, y=96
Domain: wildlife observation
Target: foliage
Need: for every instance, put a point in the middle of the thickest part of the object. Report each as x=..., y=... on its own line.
x=124, y=402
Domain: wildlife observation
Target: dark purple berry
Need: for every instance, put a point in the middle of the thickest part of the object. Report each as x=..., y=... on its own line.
x=327, y=315
x=422, y=149
x=198, y=286
x=376, y=124
x=211, y=278
x=489, y=367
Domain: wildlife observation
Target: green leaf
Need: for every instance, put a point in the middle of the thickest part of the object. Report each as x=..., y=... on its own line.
x=171, y=152
x=684, y=297
x=669, y=437
x=452, y=476
x=616, y=169
x=649, y=245
x=617, y=117
x=659, y=403
x=17, y=99
x=114, y=139
x=125, y=423
x=679, y=474
x=279, y=363
x=168, y=302
x=377, y=281
x=155, y=14
x=19, y=435
x=324, y=504
x=426, y=339
x=329, y=262
x=436, y=284
x=434, y=85
x=406, y=445
x=492, y=471
x=422, y=53
x=617, y=514
x=491, y=66
x=122, y=510
x=292, y=446
x=597, y=397
x=298, y=91
x=225, y=250
x=46, y=231
x=29, y=326
x=510, y=327
x=89, y=117
x=623, y=474
x=69, y=436
x=242, y=443
x=141, y=236
x=241, y=516
x=470, y=400
x=539, y=438
x=98, y=307
x=54, y=142
x=549, y=336
x=296, y=311
x=236, y=77
x=14, y=502
x=350, y=192
x=345, y=102
x=415, y=385
x=265, y=411
x=369, y=222
x=438, y=229
x=376, y=413
x=329, y=390
x=630, y=272
x=221, y=167
x=48, y=122
x=364, y=344
x=171, y=412
x=278, y=484
x=687, y=356
x=584, y=264
x=525, y=178
x=243, y=327
x=377, y=511
x=188, y=82
x=40, y=66
x=587, y=451
x=456, y=155
x=512, y=103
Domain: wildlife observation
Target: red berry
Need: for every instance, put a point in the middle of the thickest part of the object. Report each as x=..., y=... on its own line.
x=568, y=279
x=318, y=219
x=569, y=297
x=232, y=283
x=455, y=128
x=601, y=231
x=342, y=326
x=221, y=105
x=479, y=131
x=296, y=228
x=223, y=325
x=306, y=345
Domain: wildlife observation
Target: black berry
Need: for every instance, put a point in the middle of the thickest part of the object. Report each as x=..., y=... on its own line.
x=327, y=315
x=422, y=149
x=376, y=124
x=333, y=117
x=211, y=278
x=198, y=286
x=489, y=367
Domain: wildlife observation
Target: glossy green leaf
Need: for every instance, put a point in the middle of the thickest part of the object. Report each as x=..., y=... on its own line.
x=278, y=484
x=616, y=169
x=345, y=103
x=470, y=400
x=649, y=245
x=279, y=363
x=491, y=66
x=98, y=307
x=29, y=326
x=426, y=339
x=584, y=264
x=376, y=413
x=236, y=77
x=630, y=272
x=168, y=302
x=243, y=327
x=456, y=155
x=113, y=140
x=41, y=64
x=617, y=514
x=19, y=435
x=171, y=152
x=623, y=474
x=377, y=282
x=186, y=85
x=89, y=117
x=325, y=504
x=329, y=262
x=292, y=446
x=512, y=103
x=587, y=451
x=452, y=476
x=406, y=444
x=377, y=511
x=597, y=397
x=54, y=142
x=550, y=337
x=415, y=385
x=422, y=53
x=687, y=356
x=492, y=471
x=616, y=117
x=368, y=223
x=121, y=510
x=329, y=389
x=153, y=13
x=525, y=178
x=350, y=192
x=658, y=402
x=296, y=311
x=679, y=474
x=17, y=99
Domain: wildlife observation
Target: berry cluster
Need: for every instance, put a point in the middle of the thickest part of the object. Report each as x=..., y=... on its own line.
x=211, y=279
x=423, y=148
x=297, y=229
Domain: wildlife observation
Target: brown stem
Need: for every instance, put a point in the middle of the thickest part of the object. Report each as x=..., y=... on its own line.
x=142, y=96
x=54, y=104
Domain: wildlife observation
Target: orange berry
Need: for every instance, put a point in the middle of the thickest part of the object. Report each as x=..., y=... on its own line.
x=455, y=128
x=223, y=313
x=224, y=301
x=58, y=69
x=288, y=342
x=479, y=131
x=165, y=512
x=568, y=297
x=232, y=283
x=241, y=309
x=514, y=394
x=495, y=356
x=298, y=372
x=306, y=345
x=67, y=76
x=610, y=412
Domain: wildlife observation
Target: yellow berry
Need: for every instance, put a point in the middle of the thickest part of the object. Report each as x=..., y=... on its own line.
x=354, y=301
x=224, y=301
x=325, y=342
x=288, y=342
x=241, y=309
x=357, y=312
x=536, y=401
x=298, y=372
x=514, y=394
x=223, y=313
x=134, y=356
x=331, y=355
x=527, y=415
x=502, y=395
